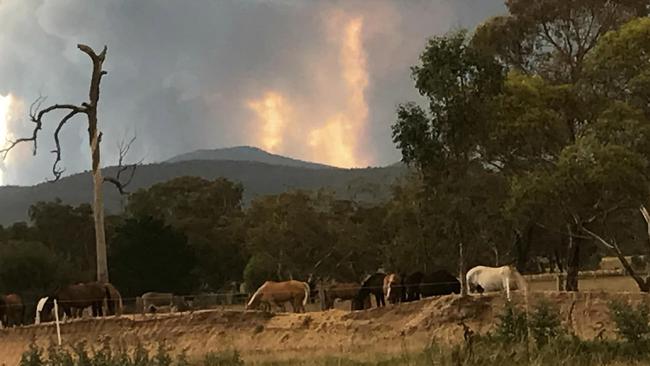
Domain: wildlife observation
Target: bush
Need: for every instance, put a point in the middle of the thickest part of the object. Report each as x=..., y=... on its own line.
x=632, y=324
x=545, y=323
x=512, y=325
x=223, y=359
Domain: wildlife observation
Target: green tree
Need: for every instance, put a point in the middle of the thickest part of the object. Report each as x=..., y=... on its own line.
x=148, y=255
x=571, y=155
x=31, y=268
x=68, y=231
x=460, y=83
x=289, y=229
x=209, y=213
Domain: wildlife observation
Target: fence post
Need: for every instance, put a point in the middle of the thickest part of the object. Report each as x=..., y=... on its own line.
x=56, y=319
x=559, y=278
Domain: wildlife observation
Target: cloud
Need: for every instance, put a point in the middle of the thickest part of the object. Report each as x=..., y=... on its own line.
x=183, y=74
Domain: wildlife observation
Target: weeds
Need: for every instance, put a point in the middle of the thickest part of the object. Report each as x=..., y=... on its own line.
x=632, y=324
x=545, y=324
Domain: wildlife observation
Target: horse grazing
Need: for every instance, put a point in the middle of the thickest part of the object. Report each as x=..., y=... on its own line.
x=495, y=279
x=77, y=297
x=439, y=283
x=152, y=301
x=339, y=291
x=393, y=288
x=278, y=293
x=12, y=310
x=373, y=284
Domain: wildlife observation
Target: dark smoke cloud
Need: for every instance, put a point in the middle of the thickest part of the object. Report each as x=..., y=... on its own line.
x=180, y=72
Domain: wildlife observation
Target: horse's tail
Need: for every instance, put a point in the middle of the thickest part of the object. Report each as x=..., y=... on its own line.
x=109, y=302
x=257, y=294
x=307, y=292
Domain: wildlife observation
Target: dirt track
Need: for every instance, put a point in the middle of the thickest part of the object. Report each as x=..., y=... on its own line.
x=266, y=336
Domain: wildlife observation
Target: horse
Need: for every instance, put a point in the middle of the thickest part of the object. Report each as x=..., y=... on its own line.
x=412, y=284
x=393, y=288
x=373, y=284
x=12, y=310
x=495, y=279
x=340, y=291
x=152, y=301
x=439, y=283
x=278, y=293
x=78, y=297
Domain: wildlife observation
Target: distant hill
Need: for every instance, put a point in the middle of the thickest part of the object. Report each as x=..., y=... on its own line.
x=246, y=153
x=258, y=179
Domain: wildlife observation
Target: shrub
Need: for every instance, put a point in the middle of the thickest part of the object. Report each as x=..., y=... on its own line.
x=512, y=325
x=633, y=324
x=545, y=323
x=223, y=359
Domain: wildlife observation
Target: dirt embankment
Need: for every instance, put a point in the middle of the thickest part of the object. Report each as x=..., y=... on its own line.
x=266, y=336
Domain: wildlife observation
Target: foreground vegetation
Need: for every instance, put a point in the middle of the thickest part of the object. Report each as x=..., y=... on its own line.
x=518, y=339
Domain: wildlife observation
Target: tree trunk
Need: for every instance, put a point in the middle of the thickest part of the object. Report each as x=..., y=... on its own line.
x=95, y=138
x=573, y=263
x=98, y=212
x=522, y=248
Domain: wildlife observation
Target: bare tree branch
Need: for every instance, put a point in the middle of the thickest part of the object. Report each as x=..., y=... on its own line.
x=57, y=151
x=117, y=180
x=643, y=284
x=36, y=115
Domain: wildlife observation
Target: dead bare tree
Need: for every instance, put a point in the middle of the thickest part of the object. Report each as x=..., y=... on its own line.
x=643, y=283
x=89, y=109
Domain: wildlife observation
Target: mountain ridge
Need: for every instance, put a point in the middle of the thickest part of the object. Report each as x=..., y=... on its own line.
x=258, y=179
x=246, y=153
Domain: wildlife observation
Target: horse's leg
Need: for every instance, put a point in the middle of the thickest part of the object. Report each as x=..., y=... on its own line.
x=508, y=287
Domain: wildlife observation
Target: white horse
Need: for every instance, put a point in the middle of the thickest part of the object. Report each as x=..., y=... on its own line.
x=495, y=279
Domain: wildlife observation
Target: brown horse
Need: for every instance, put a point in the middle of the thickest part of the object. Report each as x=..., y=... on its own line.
x=340, y=291
x=79, y=296
x=12, y=310
x=278, y=293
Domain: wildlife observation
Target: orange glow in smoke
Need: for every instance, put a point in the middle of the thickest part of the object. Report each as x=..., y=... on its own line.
x=333, y=134
x=273, y=112
x=337, y=141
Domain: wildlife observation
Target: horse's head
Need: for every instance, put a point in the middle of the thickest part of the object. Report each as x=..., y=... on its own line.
x=393, y=288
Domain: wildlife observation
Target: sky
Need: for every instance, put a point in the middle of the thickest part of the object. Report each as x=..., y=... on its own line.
x=317, y=80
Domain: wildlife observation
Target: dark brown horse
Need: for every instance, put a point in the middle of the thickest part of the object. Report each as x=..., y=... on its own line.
x=373, y=284
x=79, y=296
x=419, y=285
x=339, y=291
x=12, y=310
x=412, y=286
